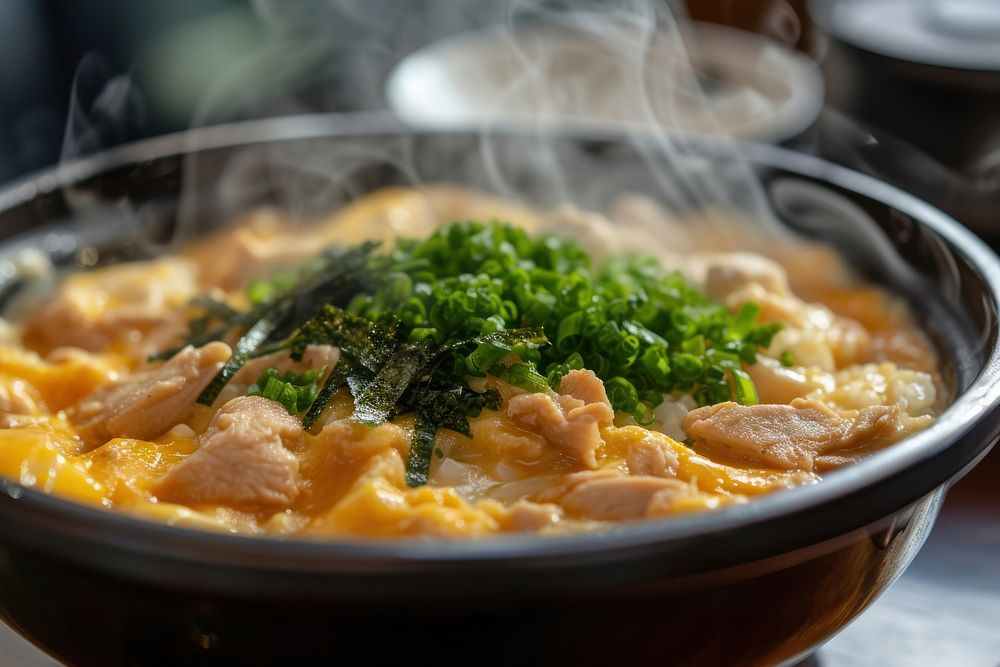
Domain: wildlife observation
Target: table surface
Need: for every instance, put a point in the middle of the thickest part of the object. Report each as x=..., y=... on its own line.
x=945, y=609
x=943, y=612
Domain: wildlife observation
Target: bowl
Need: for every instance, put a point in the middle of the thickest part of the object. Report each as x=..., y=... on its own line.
x=762, y=583
x=714, y=80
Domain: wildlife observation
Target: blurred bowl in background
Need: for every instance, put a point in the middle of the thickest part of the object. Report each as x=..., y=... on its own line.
x=919, y=86
x=716, y=80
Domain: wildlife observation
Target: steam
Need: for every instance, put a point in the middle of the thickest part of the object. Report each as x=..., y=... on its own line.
x=971, y=192
x=565, y=65
x=781, y=23
x=103, y=108
x=599, y=65
x=628, y=32
x=345, y=49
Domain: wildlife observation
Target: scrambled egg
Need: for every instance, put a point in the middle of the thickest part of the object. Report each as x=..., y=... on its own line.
x=85, y=417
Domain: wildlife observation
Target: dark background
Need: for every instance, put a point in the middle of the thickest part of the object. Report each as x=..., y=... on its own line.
x=43, y=42
x=80, y=75
x=180, y=63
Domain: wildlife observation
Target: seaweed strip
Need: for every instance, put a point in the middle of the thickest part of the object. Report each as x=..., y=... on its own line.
x=255, y=336
x=418, y=462
x=337, y=380
x=377, y=399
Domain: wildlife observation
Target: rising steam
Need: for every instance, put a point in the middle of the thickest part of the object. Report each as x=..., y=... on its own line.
x=564, y=64
x=346, y=49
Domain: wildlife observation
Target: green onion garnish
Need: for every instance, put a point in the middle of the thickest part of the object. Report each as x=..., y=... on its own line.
x=295, y=391
x=475, y=299
x=634, y=324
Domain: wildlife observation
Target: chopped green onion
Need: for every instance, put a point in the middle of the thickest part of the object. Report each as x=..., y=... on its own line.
x=295, y=391
x=743, y=388
x=745, y=320
x=629, y=319
x=523, y=376
x=484, y=356
x=472, y=299
x=622, y=392
x=643, y=415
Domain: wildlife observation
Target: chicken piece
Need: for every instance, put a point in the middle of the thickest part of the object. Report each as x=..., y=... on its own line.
x=94, y=309
x=652, y=457
x=785, y=308
x=255, y=248
x=566, y=420
x=849, y=342
x=585, y=386
x=242, y=458
x=670, y=500
x=526, y=515
x=787, y=437
x=145, y=404
x=777, y=384
x=727, y=273
x=612, y=496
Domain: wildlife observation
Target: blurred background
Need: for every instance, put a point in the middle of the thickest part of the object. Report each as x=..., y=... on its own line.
x=906, y=90
x=909, y=90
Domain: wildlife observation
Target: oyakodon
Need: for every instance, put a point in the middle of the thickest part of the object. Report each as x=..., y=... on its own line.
x=531, y=371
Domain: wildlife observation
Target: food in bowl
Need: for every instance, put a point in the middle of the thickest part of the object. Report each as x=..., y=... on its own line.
x=381, y=374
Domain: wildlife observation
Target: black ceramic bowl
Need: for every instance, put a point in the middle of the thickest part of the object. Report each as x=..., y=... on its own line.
x=763, y=583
